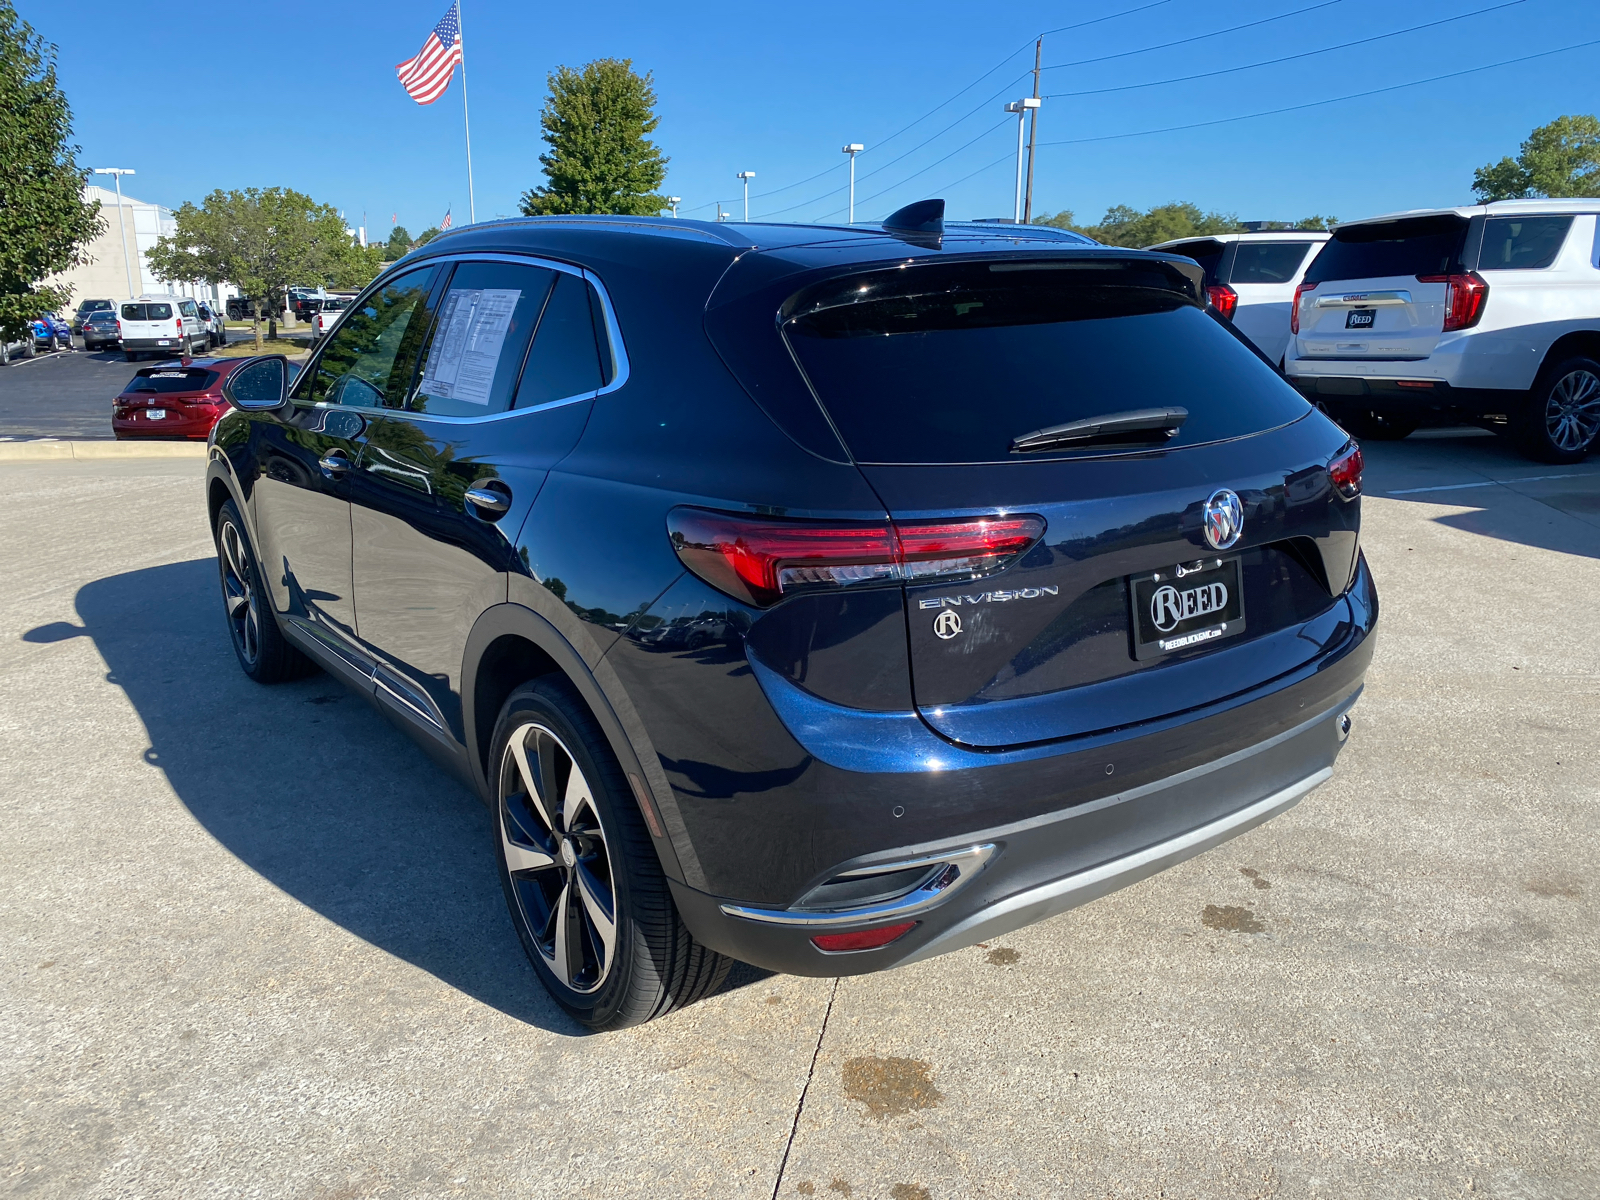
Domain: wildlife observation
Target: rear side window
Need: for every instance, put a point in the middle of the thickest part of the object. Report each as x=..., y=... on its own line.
x=565, y=359
x=163, y=382
x=949, y=363
x=1267, y=262
x=147, y=312
x=1414, y=246
x=486, y=319
x=1522, y=243
x=1206, y=251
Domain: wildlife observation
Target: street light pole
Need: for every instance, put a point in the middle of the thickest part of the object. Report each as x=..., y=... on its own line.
x=1021, y=108
x=674, y=201
x=853, y=149
x=747, y=176
x=127, y=263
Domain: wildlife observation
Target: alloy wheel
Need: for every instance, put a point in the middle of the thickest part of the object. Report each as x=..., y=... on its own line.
x=1572, y=413
x=555, y=852
x=238, y=596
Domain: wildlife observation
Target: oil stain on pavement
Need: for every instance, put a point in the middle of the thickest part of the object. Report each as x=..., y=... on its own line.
x=1231, y=918
x=1002, y=957
x=890, y=1087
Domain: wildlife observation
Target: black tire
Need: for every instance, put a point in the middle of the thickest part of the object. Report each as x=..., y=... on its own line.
x=263, y=652
x=653, y=966
x=131, y=355
x=1371, y=425
x=1561, y=421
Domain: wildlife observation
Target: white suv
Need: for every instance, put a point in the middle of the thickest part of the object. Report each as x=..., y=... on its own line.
x=1488, y=313
x=1251, y=277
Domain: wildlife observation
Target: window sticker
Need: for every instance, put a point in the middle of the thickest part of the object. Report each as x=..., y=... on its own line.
x=472, y=328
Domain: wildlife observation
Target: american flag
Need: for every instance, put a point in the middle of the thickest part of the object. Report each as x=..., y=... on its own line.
x=426, y=76
x=445, y=224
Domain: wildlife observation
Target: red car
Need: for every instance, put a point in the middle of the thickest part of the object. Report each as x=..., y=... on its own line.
x=173, y=399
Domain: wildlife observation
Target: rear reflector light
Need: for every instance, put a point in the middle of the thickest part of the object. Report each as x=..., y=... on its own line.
x=1345, y=471
x=1421, y=383
x=1464, y=298
x=760, y=561
x=867, y=939
x=1294, y=309
x=1224, y=299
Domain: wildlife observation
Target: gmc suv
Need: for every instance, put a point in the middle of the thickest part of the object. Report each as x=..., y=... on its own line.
x=825, y=598
x=1490, y=313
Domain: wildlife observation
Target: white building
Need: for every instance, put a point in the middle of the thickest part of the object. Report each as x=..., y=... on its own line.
x=116, y=264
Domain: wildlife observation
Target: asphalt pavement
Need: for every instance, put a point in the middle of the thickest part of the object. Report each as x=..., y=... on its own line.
x=252, y=942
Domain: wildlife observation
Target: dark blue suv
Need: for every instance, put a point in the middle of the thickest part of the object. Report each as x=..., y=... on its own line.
x=823, y=598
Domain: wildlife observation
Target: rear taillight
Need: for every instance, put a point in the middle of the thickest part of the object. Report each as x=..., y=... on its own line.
x=866, y=939
x=1464, y=298
x=1294, y=309
x=1224, y=299
x=761, y=561
x=1345, y=471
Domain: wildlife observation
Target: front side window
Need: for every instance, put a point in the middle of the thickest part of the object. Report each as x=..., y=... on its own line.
x=1522, y=243
x=1268, y=262
x=487, y=317
x=369, y=362
x=186, y=307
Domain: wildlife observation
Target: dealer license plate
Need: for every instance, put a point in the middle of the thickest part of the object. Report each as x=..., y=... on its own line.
x=1191, y=604
x=155, y=414
x=1359, y=318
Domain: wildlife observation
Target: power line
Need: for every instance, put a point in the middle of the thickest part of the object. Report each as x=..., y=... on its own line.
x=1272, y=112
x=1128, y=87
x=1004, y=121
x=1199, y=37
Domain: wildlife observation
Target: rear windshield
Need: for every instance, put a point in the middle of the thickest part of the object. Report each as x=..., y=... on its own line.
x=147, y=312
x=1207, y=252
x=101, y=317
x=1522, y=243
x=949, y=363
x=1267, y=262
x=1414, y=246
x=188, y=379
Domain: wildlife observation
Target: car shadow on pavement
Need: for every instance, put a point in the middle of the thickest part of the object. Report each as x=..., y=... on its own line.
x=310, y=787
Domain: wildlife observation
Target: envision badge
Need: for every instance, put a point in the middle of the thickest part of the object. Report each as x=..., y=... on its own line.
x=947, y=624
x=1222, y=519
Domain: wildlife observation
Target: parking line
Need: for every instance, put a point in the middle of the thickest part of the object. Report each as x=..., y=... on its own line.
x=1456, y=487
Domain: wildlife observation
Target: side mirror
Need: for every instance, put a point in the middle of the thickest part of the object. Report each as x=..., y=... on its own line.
x=258, y=384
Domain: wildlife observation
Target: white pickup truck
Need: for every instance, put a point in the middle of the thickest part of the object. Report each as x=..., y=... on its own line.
x=325, y=318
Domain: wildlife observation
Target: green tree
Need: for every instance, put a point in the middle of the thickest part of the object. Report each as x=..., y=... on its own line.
x=44, y=222
x=600, y=161
x=261, y=240
x=399, y=241
x=1558, y=159
x=1125, y=226
x=427, y=235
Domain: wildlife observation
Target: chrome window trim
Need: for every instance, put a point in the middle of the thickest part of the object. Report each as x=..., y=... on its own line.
x=619, y=352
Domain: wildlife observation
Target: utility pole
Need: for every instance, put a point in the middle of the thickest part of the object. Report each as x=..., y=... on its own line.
x=127, y=263
x=1033, y=133
x=853, y=149
x=1020, y=107
x=746, y=177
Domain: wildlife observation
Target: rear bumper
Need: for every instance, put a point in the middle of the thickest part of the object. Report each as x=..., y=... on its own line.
x=1414, y=392
x=172, y=343
x=1042, y=867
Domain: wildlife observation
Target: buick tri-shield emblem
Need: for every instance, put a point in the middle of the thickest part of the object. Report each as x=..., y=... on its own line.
x=1223, y=519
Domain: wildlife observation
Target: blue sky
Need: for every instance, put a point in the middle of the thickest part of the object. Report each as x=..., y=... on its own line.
x=306, y=97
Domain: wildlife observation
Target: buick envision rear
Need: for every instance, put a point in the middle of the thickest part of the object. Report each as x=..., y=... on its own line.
x=828, y=599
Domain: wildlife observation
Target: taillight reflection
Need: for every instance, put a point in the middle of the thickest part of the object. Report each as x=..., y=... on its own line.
x=1345, y=471
x=760, y=560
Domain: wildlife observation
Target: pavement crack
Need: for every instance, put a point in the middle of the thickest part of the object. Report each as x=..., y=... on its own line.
x=800, y=1106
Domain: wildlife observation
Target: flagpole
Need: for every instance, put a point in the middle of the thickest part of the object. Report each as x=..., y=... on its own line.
x=472, y=204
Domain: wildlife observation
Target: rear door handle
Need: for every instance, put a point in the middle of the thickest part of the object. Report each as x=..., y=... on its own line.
x=489, y=499
x=334, y=463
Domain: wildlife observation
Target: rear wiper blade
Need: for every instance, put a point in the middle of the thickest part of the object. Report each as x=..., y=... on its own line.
x=1140, y=425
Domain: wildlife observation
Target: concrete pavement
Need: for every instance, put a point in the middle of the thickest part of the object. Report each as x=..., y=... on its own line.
x=254, y=943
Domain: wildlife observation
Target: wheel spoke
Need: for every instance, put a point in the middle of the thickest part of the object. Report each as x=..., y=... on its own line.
x=576, y=799
x=598, y=909
x=563, y=943
x=529, y=777
x=521, y=856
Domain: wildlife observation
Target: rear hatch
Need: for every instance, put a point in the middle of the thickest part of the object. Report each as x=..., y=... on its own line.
x=930, y=372
x=1382, y=289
